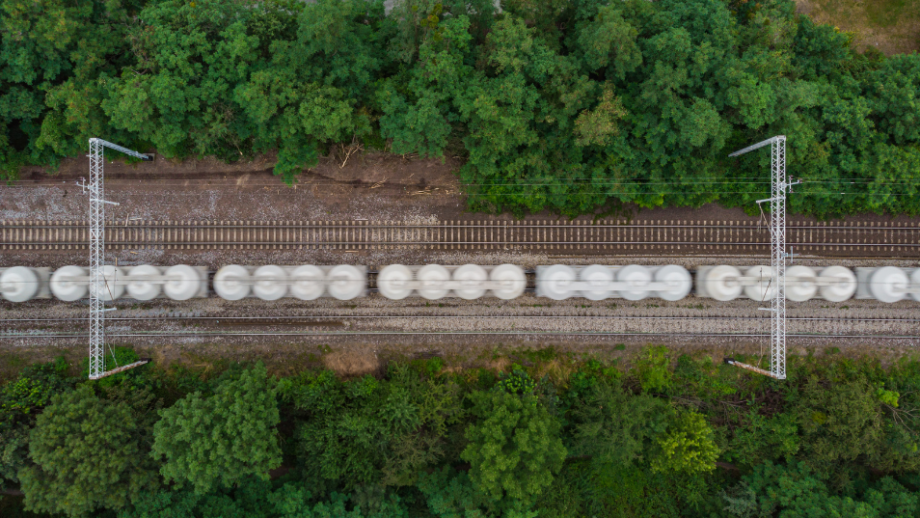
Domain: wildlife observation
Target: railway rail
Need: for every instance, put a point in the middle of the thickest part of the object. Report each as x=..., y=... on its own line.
x=618, y=334
x=622, y=236
x=311, y=319
x=191, y=326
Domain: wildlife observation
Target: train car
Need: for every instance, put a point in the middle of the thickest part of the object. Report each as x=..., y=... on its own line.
x=599, y=282
x=23, y=283
x=470, y=281
x=304, y=282
x=434, y=281
x=888, y=283
x=141, y=282
x=724, y=282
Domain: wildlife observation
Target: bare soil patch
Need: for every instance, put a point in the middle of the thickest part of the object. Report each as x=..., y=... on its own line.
x=891, y=26
x=370, y=186
x=352, y=363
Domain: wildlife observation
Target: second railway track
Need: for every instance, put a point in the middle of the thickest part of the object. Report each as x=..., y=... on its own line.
x=617, y=236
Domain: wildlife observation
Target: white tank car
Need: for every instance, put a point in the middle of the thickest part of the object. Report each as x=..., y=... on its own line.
x=24, y=283
x=888, y=284
x=599, y=282
x=435, y=281
x=304, y=282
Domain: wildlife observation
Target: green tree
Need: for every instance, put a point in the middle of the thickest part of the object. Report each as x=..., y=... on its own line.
x=21, y=401
x=256, y=498
x=54, y=58
x=793, y=491
x=653, y=369
x=844, y=421
x=313, y=88
x=514, y=449
x=369, y=432
x=178, y=96
x=217, y=440
x=418, y=114
x=614, y=426
x=687, y=446
x=88, y=456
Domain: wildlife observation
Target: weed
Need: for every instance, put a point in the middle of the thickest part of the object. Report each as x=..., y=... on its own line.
x=518, y=382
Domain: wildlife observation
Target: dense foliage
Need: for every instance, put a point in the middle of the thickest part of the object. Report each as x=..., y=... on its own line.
x=572, y=106
x=670, y=436
x=217, y=440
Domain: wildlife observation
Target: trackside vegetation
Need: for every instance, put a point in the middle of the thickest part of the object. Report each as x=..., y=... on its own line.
x=553, y=435
x=573, y=106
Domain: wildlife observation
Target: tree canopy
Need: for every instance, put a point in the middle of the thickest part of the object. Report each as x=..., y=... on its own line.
x=575, y=107
x=214, y=441
x=87, y=456
x=555, y=435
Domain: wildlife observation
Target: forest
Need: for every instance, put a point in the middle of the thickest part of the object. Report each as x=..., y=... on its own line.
x=571, y=106
x=532, y=433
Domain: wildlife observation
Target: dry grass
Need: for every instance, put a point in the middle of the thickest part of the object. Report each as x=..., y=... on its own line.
x=351, y=363
x=559, y=370
x=891, y=26
x=500, y=364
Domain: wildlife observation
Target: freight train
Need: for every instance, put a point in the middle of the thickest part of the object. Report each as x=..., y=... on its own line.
x=470, y=281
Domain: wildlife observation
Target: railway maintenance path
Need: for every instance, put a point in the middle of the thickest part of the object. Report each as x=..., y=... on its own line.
x=602, y=236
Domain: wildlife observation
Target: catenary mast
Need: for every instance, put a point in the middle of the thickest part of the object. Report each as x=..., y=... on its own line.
x=777, y=254
x=97, y=280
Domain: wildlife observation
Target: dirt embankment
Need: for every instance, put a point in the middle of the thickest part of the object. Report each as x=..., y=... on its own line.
x=369, y=186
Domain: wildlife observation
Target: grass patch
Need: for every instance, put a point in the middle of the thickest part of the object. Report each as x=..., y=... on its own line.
x=891, y=26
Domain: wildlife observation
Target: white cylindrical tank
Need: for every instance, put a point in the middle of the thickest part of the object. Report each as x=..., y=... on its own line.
x=182, y=282
x=64, y=285
x=843, y=286
x=471, y=278
x=511, y=281
x=677, y=279
x=801, y=283
x=598, y=278
x=765, y=287
x=722, y=282
x=637, y=279
x=393, y=281
x=556, y=282
x=112, y=285
x=346, y=282
x=269, y=282
x=308, y=282
x=888, y=284
x=141, y=284
x=19, y=284
x=433, y=277
x=232, y=282
x=915, y=282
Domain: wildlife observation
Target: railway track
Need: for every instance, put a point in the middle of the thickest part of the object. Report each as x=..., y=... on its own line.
x=643, y=236
x=612, y=334
x=330, y=325
x=312, y=319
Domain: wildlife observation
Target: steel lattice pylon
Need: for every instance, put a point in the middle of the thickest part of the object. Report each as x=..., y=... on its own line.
x=97, y=203
x=777, y=253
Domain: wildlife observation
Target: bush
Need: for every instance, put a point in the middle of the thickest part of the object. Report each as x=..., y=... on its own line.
x=514, y=449
x=216, y=441
x=87, y=456
x=686, y=447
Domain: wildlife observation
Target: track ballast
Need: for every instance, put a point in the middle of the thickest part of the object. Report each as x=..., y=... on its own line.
x=677, y=237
